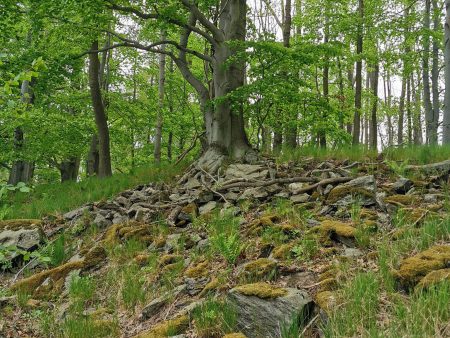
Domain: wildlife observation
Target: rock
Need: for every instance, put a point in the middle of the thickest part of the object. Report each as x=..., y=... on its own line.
x=101, y=221
x=294, y=188
x=352, y=253
x=23, y=234
x=141, y=214
x=264, y=309
x=192, y=183
x=300, y=198
x=336, y=231
x=363, y=188
x=246, y=171
x=204, y=197
x=430, y=198
x=123, y=201
x=77, y=213
x=155, y=305
x=195, y=285
x=254, y=193
x=188, y=212
x=262, y=268
x=402, y=185
x=208, y=207
x=301, y=279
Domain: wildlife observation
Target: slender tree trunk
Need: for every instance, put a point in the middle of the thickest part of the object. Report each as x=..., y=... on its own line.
x=409, y=111
x=69, y=169
x=435, y=74
x=446, y=122
x=160, y=116
x=426, y=74
x=326, y=76
x=401, y=110
x=101, y=119
x=358, y=90
x=373, y=120
x=93, y=160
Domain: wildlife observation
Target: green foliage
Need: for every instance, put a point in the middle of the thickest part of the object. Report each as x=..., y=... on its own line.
x=6, y=189
x=224, y=236
x=214, y=318
x=11, y=251
x=132, y=287
x=307, y=248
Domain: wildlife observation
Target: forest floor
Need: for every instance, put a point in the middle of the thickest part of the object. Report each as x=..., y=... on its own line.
x=305, y=245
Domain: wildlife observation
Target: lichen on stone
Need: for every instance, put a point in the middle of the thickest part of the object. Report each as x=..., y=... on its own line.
x=329, y=229
x=261, y=290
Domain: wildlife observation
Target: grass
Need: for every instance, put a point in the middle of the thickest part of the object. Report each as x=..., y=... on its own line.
x=214, y=318
x=410, y=154
x=54, y=198
x=132, y=287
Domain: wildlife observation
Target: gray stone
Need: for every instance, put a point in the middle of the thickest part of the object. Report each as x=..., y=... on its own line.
x=26, y=238
x=123, y=201
x=155, y=305
x=101, y=221
x=430, y=198
x=208, y=207
x=203, y=244
x=300, y=198
x=402, y=185
x=192, y=183
x=77, y=213
x=265, y=317
x=254, y=193
x=362, y=190
x=294, y=188
x=247, y=171
x=352, y=253
x=195, y=285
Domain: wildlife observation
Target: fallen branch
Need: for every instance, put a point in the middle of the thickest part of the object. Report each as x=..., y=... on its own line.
x=334, y=180
x=443, y=167
x=253, y=184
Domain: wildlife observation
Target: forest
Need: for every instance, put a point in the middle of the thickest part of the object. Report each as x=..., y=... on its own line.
x=224, y=168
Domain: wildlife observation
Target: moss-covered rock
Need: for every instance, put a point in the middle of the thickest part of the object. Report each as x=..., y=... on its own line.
x=401, y=200
x=259, y=224
x=434, y=277
x=335, y=230
x=55, y=277
x=212, y=285
x=126, y=231
x=235, y=335
x=167, y=328
x=200, y=270
x=141, y=259
x=261, y=290
x=169, y=259
x=17, y=224
x=326, y=300
x=282, y=251
x=414, y=268
x=262, y=268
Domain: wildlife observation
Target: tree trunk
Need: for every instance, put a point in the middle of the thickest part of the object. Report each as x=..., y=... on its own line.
x=160, y=116
x=373, y=121
x=69, y=169
x=358, y=90
x=92, y=163
x=21, y=170
x=401, y=109
x=435, y=75
x=326, y=76
x=426, y=74
x=101, y=119
x=446, y=123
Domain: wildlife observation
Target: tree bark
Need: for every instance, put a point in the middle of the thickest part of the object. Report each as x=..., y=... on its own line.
x=446, y=122
x=435, y=75
x=373, y=121
x=426, y=74
x=101, y=119
x=21, y=170
x=160, y=116
x=358, y=84
x=69, y=169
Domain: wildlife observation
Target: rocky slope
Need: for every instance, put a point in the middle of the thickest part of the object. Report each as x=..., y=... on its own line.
x=262, y=248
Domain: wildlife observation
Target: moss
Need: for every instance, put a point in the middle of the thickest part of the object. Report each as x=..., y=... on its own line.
x=235, y=335
x=283, y=251
x=167, y=328
x=261, y=290
x=142, y=259
x=200, y=270
x=328, y=284
x=117, y=232
x=401, y=200
x=413, y=269
x=341, y=191
x=57, y=275
x=17, y=224
x=329, y=229
x=190, y=209
x=159, y=242
x=259, y=224
x=434, y=277
x=368, y=214
x=328, y=273
x=169, y=259
x=212, y=285
x=112, y=235
x=260, y=269
x=288, y=229
x=326, y=300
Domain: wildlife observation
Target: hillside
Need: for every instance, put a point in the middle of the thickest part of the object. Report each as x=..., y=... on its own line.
x=308, y=247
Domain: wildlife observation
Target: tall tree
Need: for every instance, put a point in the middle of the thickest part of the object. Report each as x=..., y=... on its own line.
x=101, y=119
x=358, y=77
x=446, y=122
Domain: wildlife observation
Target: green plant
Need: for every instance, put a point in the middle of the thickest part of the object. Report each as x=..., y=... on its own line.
x=307, y=248
x=11, y=251
x=4, y=190
x=214, y=318
x=132, y=286
x=274, y=236
x=398, y=167
x=224, y=236
x=55, y=250
x=81, y=289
